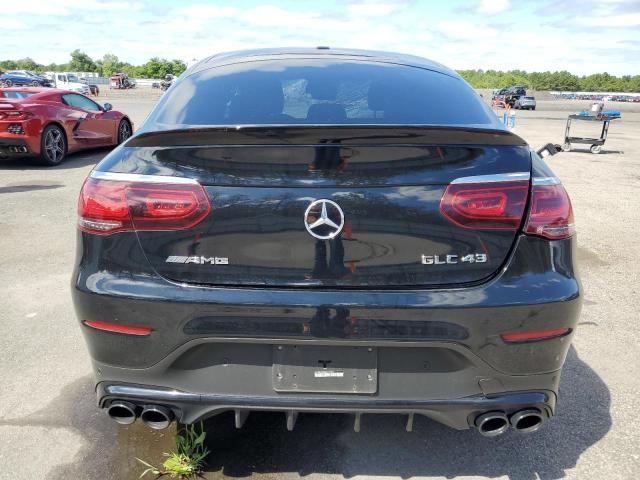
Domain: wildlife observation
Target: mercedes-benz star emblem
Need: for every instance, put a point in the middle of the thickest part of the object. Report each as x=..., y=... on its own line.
x=324, y=219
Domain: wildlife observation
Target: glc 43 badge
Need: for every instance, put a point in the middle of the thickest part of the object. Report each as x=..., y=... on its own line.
x=454, y=259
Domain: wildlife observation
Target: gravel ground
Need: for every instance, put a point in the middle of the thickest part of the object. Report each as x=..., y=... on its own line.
x=51, y=429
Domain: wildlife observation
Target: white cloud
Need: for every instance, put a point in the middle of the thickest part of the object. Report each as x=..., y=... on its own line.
x=140, y=30
x=373, y=9
x=61, y=8
x=13, y=24
x=466, y=30
x=208, y=11
x=493, y=6
x=608, y=21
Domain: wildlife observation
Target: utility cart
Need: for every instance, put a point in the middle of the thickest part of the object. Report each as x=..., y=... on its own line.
x=596, y=143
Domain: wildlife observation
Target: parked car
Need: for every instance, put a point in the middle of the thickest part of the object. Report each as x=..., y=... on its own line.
x=525, y=103
x=329, y=231
x=93, y=88
x=23, y=78
x=49, y=124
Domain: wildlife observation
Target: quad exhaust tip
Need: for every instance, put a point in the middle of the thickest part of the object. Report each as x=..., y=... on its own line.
x=20, y=149
x=156, y=417
x=492, y=424
x=527, y=421
x=122, y=412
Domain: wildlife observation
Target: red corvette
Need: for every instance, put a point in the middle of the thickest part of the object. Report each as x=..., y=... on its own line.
x=49, y=124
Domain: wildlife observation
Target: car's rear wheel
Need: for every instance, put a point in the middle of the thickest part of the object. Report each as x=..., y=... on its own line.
x=53, y=146
x=8, y=83
x=124, y=130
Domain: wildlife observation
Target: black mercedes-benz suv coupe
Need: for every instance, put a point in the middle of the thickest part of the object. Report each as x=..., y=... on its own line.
x=321, y=230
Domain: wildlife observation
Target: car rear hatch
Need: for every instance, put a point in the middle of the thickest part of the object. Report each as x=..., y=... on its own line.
x=304, y=207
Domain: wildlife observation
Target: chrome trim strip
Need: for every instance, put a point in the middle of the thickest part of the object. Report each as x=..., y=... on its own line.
x=160, y=395
x=136, y=177
x=500, y=177
x=546, y=181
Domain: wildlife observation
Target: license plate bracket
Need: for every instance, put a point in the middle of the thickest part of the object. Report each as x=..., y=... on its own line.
x=325, y=369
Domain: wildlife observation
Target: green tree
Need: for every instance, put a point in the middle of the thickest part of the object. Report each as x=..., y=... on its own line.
x=81, y=62
x=27, y=64
x=8, y=65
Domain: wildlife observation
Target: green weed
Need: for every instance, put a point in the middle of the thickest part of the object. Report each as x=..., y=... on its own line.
x=188, y=458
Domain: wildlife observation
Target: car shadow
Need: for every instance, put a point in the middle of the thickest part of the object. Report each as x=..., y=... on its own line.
x=74, y=160
x=326, y=444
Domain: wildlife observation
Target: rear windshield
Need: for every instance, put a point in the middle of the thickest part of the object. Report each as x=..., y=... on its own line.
x=6, y=94
x=319, y=92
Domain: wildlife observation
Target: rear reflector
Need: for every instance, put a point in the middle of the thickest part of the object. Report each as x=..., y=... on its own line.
x=533, y=336
x=109, y=206
x=551, y=214
x=117, y=328
x=492, y=206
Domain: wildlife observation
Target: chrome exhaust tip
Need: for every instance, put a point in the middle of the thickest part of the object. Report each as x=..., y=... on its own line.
x=492, y=424
x=121, y=412
x=527, y=421
x=156, y=417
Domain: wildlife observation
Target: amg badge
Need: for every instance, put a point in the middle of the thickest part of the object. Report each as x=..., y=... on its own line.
x=199, y=260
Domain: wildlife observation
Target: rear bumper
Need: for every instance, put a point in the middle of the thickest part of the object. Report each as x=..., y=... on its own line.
x=14, y=148
x=189, y=407
x=439, y=352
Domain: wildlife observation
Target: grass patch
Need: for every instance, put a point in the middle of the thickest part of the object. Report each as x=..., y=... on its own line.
x=187, y=460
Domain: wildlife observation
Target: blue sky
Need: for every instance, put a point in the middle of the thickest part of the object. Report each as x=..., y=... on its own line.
x=583, y=37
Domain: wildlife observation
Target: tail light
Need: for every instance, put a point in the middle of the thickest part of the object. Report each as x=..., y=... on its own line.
x=15, y=115
x=109, y=206
x=500, y=205
x=490, y=205
x=551, y=214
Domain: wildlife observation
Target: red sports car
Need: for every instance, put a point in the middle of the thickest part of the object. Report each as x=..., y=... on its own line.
x=49, y=124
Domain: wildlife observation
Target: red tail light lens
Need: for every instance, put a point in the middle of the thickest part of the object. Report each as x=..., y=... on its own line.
x=118, y=328
x=551, y=214
x=515, y=337
x=107, y=206
x=15, y=115
x=495, y=206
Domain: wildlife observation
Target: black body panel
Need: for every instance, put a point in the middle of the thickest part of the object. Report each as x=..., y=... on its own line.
x=390, y=196
x=538, y=290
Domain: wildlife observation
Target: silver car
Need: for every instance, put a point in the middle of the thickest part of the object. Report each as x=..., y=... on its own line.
x=525, y=103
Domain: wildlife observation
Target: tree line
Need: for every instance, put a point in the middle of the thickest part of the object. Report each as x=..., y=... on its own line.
x=156, y=67
x=106, y=66
x=562, y=81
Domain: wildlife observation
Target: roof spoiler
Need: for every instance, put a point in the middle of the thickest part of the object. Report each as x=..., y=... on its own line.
x=322, y=135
